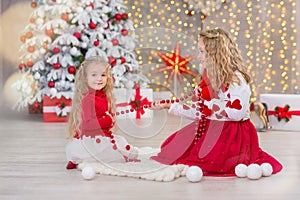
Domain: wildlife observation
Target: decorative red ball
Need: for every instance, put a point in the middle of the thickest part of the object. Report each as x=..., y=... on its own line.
x=96, y=43
x=92, y=25
x=127, y=147
x=56, y=50
x=77, y=35
x=51, y=84
x=22, y=66
x=91, y=5
x=123, y=60
x=36, y=105
x=124, y=32
x=124, y=16
x=118, y=16
x=115, y=42
x=29, y=64
x=71, y=69
x=56, y=65
x=112, y=61
x=33, y=4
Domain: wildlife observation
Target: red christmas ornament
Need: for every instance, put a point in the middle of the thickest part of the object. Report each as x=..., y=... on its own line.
x=175, y=64
x=124, y=32
x=22, y=66
x=124, y=16
x=71, y=69
x=49, y=32
x=36, y=105
x=30, y=49
x=65, y=16
x=112, y=61
x=31, y=20
x=115, y=42
x=123, y=60
x=127, y=147
x=33, y=4
x=91, y=5
x=23, y=38
x=203, y=16
x=118, y=16
x=96, y=43
x=56, y=50
x=29, y=34
x=51, y=84
x=92, y=25
x=56, y=65
x=77, y=35
x=29, y=64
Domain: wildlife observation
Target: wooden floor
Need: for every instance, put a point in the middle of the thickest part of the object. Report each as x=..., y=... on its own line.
x=32, y=166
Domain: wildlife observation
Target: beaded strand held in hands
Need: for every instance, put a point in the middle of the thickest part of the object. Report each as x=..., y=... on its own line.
x=198, y=104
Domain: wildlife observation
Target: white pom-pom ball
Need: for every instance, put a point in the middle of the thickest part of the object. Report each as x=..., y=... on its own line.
x=266, y=169
x=88, y=173
x=241, y=170
x=194, y=174
x=254, y=171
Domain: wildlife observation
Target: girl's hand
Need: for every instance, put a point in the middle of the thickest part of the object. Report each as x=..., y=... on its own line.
x=158, y=105
x=197, y=92
x=112, y=118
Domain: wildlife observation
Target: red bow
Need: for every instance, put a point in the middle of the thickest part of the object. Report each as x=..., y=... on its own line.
x=283, y=113
x=138, y=103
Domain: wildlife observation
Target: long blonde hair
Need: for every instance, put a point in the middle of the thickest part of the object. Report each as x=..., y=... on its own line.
x=81, y=89
x=222, y=58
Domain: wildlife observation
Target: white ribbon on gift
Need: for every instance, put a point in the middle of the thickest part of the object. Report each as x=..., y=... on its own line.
x=57, y=110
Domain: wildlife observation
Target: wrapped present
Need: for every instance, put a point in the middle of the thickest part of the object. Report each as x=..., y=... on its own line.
x=283, y=111
x=56, y=110
x=133, y=103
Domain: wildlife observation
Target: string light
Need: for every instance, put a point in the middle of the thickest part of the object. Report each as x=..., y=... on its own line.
x=265, y=31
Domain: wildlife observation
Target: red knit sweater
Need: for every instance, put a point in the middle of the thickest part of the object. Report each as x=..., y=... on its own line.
x=94, y=119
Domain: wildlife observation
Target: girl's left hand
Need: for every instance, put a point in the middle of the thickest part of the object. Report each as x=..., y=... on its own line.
x=197, y=92
x=110, y=115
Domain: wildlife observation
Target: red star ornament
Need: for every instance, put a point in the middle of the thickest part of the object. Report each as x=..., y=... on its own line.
x=175, y=65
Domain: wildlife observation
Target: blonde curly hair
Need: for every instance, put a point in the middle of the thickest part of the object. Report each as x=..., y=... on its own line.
x=222, y=58
x=81, y=88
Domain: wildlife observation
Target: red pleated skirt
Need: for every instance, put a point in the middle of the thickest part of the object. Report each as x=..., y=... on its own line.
x=222, y=146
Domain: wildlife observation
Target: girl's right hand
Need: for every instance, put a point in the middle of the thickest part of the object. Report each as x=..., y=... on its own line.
x=159, y=105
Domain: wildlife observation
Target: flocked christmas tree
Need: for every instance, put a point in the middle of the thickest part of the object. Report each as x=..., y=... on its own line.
x=62, y=33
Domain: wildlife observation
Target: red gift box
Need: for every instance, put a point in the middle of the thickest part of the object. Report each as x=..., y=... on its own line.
x=56, y=110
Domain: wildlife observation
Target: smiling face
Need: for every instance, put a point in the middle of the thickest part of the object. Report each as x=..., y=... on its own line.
x=96, y=76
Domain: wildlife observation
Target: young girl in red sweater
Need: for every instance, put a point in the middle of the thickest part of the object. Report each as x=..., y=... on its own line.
x=222, y=135
x=91, y=119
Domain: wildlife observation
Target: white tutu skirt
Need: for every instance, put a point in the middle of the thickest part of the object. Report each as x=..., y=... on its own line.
x=100, y=149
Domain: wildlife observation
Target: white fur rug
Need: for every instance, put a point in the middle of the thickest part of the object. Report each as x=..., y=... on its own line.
x=146, y=169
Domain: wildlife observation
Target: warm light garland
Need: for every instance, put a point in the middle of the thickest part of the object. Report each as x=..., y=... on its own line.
x=265, y=31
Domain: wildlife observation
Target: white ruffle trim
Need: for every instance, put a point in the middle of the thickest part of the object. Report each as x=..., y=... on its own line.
x=145, y=169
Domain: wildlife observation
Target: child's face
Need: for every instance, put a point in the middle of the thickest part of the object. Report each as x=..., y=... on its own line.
x=201, y=55
x=96, y=76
